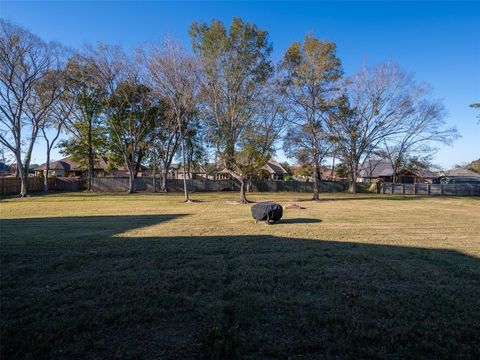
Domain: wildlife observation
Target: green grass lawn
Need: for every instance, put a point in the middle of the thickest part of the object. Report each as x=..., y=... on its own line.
x=146, y=276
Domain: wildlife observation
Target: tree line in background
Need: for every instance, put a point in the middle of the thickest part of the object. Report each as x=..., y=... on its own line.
x=227, y=102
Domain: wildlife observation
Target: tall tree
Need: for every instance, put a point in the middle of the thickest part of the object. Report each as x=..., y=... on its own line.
x=55, y=116
x=235, y=69
x=86, y=124
x=310, y=71
x=419, y=133
x=166, y=138
x=172, y=73
x=25, y=60
x=129, y=107
x=376, y=102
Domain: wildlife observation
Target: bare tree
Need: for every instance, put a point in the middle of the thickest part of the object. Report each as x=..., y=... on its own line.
x=376, y=103
x=25, y=60
x=172, y=74
x=419, y=133
x=54, y=122
x=167, y=140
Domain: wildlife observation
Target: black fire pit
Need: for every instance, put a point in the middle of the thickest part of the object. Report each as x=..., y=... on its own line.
x=267, y=211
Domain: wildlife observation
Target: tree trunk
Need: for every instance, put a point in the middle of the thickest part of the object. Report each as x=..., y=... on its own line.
x=163, y=186
x=243, y=195
x=19, y=173
x=316, y=183
x=353, y=179
x=90, y=157
x=154, y=173
x=185, y=189
x=131, y=178
x=26, y=171
x=47, y=168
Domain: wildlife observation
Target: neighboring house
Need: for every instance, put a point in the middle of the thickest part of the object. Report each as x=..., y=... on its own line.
x=381, y=170
x=31, y=172
x=456, y=176
x=272, y=170
x=101, y=168
x=5, y=170
x=176, y=172
x=275, y=170
x=326, y=173
x=60, y=168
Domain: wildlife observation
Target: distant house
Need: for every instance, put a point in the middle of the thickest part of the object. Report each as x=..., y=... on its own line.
x=60, y=168
x=101, y=168
x=275, y=170
x=381, y=170
x=272, y=170
x=456, y=176
x=176, y=172
x=5, y=170
x=31, y=172
x=326, y=173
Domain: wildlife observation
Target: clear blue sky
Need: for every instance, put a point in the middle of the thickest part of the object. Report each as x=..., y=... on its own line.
x=439, y=41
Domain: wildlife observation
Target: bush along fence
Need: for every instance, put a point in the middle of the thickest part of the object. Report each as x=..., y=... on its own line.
x=461, y=189
x=12, y=185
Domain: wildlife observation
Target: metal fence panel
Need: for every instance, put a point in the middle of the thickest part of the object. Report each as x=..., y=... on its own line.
x=460, y=189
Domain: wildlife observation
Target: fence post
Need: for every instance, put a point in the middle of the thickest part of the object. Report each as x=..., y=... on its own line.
x=441, y=189
x=403, y=189
x=428, y=189
x=415, y=189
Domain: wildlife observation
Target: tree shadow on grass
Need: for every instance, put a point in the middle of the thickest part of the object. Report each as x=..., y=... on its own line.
x=73, y=227
x=299, y=221
x=228, y=296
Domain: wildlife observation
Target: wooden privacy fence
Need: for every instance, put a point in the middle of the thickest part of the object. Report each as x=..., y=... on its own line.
x=115, y=184
x=12, y=185
x=462, y=189
x=297, y=186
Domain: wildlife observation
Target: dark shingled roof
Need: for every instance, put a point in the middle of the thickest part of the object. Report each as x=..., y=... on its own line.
x=276, y=168
x=375, y=168
x=63, y=164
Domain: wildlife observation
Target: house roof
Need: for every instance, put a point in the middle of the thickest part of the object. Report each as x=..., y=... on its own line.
x=100, y=163
x=460, y=172
x=274, y=167
x=4, y=167
x=63, y=164
x=373, y=168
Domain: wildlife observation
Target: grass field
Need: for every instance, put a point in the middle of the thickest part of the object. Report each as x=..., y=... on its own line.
x=146, y=276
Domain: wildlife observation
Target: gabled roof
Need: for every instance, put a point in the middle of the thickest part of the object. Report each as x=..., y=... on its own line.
x=63, y=164
x=274, y=167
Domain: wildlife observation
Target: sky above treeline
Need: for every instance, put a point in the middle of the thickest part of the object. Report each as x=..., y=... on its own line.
x=438, y=41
